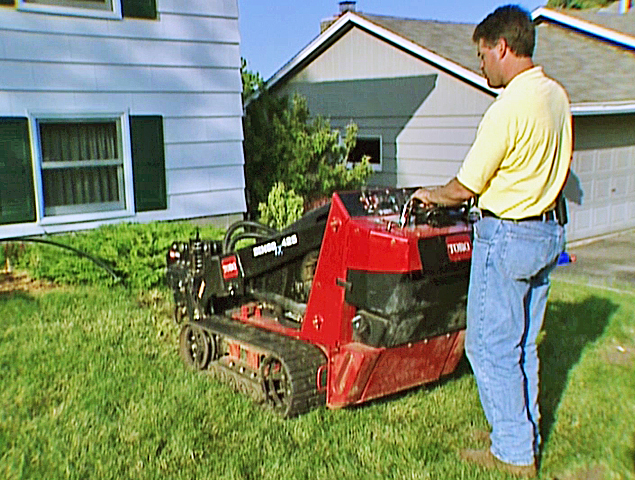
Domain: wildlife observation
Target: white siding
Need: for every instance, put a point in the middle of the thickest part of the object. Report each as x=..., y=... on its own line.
x=424, y=148
x=184, y=66
x=206, y=179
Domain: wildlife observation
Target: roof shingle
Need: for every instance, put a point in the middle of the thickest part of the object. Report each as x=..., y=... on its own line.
x=592, y=70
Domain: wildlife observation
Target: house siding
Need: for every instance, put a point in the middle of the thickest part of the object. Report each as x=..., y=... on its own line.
x=422, y=145
x=184, y=66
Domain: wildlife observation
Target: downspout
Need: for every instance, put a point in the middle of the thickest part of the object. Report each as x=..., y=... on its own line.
x=625, y=6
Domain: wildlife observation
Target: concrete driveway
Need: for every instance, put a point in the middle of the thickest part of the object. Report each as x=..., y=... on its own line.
x=607, y=261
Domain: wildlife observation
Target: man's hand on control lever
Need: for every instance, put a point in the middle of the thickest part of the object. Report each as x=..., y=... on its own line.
x=423, y=195
x=451, y=194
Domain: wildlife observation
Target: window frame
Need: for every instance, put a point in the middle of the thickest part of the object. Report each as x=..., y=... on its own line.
x=128, y=188
x=71, y=9
x=377, y=167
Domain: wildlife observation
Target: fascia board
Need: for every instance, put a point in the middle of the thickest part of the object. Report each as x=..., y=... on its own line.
x=389, y=36
x=582, y=109
x=584, y=26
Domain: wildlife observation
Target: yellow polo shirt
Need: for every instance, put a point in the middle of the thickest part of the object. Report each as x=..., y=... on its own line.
x=522, y=152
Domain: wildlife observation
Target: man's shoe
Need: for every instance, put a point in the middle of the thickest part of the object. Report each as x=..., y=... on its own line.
x=486, y=459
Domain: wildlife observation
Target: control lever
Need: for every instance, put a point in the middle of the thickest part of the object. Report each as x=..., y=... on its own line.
x=407, y=211
x=435, y=216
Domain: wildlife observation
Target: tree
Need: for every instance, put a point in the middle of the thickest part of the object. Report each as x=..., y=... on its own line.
x=579, y=4
x=252, y=81
x=283, y=143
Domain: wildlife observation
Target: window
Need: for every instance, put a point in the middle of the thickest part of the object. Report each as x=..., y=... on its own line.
x=370, y=146
x=57, y=169
x=90, y=8
x=96, y=4
x=82, y=166
x=112, y=9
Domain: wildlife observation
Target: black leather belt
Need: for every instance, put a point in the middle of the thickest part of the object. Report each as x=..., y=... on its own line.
x=543, y=217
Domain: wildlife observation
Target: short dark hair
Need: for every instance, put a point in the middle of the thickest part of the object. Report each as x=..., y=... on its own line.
x=512, y=23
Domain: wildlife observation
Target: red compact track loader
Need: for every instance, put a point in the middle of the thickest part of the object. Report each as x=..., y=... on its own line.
x=359, y=299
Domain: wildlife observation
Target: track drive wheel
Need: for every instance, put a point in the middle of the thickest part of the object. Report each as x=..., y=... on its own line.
x=276, y=385
x=195, y=347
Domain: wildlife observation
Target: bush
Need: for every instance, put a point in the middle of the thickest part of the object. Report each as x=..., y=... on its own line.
x=283, y=207
x=136, y=253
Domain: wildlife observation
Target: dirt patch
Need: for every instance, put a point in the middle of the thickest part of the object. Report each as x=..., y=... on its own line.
x=591, y=473
x=20, y=282
x=623, y=355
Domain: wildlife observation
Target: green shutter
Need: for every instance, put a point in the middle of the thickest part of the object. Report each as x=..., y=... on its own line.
x=17, y=195
x=139, y=8
x=148, y=162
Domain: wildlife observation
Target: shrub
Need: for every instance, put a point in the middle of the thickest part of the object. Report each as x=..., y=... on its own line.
x=283, y=207
x=135, y=252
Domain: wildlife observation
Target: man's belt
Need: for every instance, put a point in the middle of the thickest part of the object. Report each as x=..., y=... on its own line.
x=543, y=217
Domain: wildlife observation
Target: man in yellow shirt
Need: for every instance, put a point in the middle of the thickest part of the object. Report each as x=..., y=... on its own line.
x=516, y=167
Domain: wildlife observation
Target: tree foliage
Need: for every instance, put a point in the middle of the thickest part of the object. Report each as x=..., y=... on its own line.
x=252, y=81
x=283, y=143
x=579, y=4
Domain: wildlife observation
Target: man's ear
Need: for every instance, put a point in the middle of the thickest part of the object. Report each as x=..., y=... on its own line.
x=501, y=47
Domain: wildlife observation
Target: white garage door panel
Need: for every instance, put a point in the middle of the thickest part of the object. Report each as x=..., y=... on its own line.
x=601, y=189
x=618, y=214
x=619, y=186
x=601, y=216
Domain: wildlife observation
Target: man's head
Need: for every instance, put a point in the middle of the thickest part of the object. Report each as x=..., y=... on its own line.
x=506, y=40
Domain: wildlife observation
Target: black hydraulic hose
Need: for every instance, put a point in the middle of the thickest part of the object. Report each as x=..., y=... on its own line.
x=244, y=235
x=95, y=260
x=267, y=231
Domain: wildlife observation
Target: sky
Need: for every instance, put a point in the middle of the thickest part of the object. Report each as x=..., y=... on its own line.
x=273, y=31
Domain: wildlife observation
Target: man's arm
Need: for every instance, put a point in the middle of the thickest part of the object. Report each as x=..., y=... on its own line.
x=452, y=193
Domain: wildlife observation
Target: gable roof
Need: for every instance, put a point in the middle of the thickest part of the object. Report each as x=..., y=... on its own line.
x=383, y=31
x=606, y=23
x=594, y=63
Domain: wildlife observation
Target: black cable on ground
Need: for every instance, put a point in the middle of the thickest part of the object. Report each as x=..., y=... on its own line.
x=100, y=263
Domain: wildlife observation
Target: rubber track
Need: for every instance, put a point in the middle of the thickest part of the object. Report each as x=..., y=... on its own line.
x=302, y=360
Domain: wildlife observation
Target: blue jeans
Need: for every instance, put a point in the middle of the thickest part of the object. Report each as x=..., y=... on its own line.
x=509, y=285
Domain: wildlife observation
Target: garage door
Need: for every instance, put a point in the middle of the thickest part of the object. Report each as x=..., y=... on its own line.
x=604, y=169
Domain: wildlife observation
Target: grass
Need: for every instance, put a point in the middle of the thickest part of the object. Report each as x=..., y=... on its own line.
x=91, y=386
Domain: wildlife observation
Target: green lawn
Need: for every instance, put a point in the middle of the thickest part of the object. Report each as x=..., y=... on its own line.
x=91, y=386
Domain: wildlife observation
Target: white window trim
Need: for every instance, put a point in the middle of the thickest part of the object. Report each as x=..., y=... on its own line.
x=377, y=167
x=114, y=14
x=36, y=150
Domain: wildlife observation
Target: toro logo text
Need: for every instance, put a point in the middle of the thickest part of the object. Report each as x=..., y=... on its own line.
x=459, y=247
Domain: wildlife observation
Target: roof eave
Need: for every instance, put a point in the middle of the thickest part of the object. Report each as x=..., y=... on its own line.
x=351, y=19
x=607, y=108
x=584, y=26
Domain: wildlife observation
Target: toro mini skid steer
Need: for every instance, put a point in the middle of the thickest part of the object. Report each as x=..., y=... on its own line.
x=359, y=299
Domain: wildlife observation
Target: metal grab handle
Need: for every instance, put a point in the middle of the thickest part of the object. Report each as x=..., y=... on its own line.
x=406, y=212
x=434, y=215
